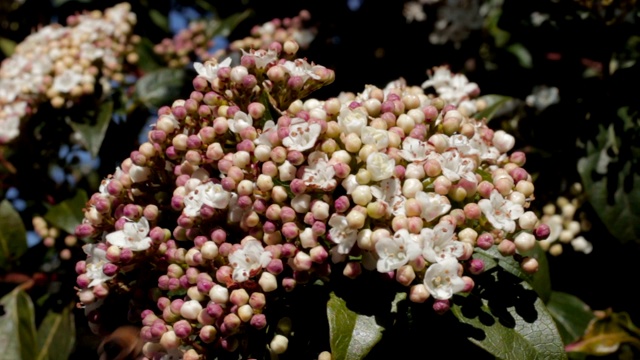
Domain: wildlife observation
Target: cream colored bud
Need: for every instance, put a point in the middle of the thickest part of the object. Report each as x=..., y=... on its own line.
x=411, y=187
x=245, y=312
x=219, y=294
x=361, y=195
x=279, y=344
x=356, y=219
x=525, y=242
x=468, y=235
x=528, y=220
x=365, y=241
x=352, y=143
x=268, y=282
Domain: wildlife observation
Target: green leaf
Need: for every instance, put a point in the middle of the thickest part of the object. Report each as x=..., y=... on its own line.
x=540, y=281
x=159, y=87
x=494, y=104
x=159, y=19
x=522, y=54
x=56, y=335
x=572, y=316
x=17, y=326
x=94, y=130
x=7, y=46
x=351, y=335
x=225, y=26
x=68, y=214
x=508, y=320
x=147, y=58
x=13, y=237
x=620, y=211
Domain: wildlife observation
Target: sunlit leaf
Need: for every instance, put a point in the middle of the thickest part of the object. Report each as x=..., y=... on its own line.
x=606, y=333
x=68, y=214
x=56, y=335
x=522, y=54
x=7, y=46
x=572, y=316
x=351, y=335
x=508, y=320
x=95, y=128
x=159, y=87
x=13, y=236
x=159, y=19
x=17, y=326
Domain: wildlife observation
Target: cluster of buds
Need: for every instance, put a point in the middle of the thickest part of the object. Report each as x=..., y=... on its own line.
x=51, y=236
x=62, y=64
x=245, y=191
x=279, y=31
x=563, y=228
x=186, y=46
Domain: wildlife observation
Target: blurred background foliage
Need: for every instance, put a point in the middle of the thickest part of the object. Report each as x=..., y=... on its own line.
x=568, y=68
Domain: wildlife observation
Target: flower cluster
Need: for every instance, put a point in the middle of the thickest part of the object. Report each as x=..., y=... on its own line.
x=562, y=226
x=245, y=191
x=177, y=52
x=62, y=64
x=279, y=31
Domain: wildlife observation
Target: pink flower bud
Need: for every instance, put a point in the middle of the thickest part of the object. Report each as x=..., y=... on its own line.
x=507, y=248
x=352, y=270
x=441, y=306
x=275, y=266
x=258, y=321
x=476, y=266
x=288, y=284
x=84, y=230
x=542, y=231
x=182, y=329
x=208, y=334
x=110, y=269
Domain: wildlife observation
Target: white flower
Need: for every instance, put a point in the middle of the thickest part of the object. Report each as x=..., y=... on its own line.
x=582, y=245
x=455, y=167
x=139, y=173
x=66, y=81
x=501, y=212
x=132, y=236
x=240, y=122
x=442, y=280
x=376, y=137
x=319, y=174
x=439, y=243
x=414, y=150
x=96, y=259
x=248, y=260
x=380, y=166
x=396, y=251
x=209, y=70
x=300, y=68
x=350, y=183
x=302, y=135
x=209, y=194
x=341, y=234
x=413, y=11
x=389, y=192
x=261, y=57
x=352, y=121
x=263, y=139
x=432, y=205
x=451, y=88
